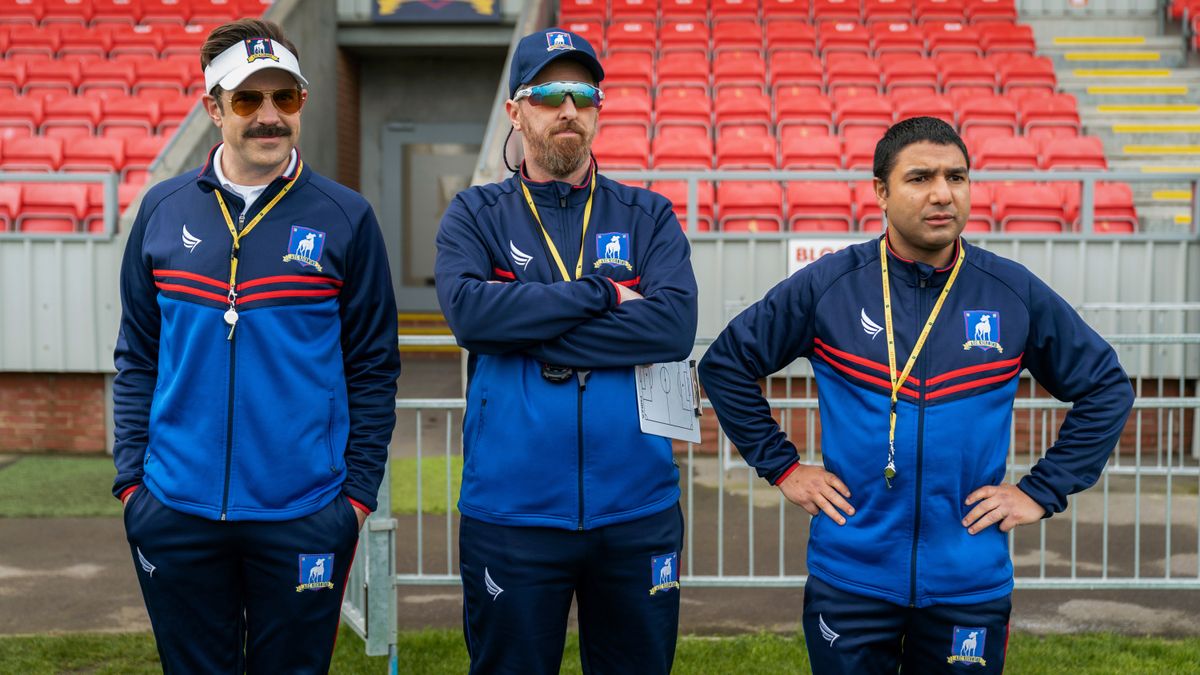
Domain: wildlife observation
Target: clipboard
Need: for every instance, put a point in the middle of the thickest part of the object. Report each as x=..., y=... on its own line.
x=668, y=397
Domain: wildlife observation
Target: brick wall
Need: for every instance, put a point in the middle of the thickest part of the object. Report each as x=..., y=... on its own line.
x=42, y=412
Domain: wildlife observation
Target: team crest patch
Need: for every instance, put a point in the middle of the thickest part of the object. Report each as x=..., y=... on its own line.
x=967, y=646
x=664, y=572
x=305, y=247
x=612, y=248
x=259, y=48
x=556, y=40
x=983, y=329
x=316, y=570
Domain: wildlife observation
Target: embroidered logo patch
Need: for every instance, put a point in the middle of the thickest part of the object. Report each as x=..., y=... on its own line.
x=315, y=571
x=305, y=247
x=664, y=572
x=259, y=48
x=967, y=646
x=556, y=40
x=983, y=329
x=612, y=248
x=869, y=327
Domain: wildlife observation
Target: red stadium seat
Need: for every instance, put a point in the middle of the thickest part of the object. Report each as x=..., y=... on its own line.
x=734, y=9
x=174, y=110
x=27, y=13
x=991, y=10
x=676, y=191
x=864, y=115
x=737, y=34
x=140, y=153
x=800, y=109
x=57, y=75
x=747, y=150
x=738, y=68
x=678, y=131
x=1000, y=37
x=122, y=114
x=967, y=73
x=890, y=37
x=1028, y=207
x=135, y=43
x=682, y=153
x=1022, y=71
x=638, y=35
x=94, y=42
x=170, y=75
x=980, y=218
x=858, y=152
x=684, y=35
x=910, y=75
x=10, y=206
x=117, y=12
x=69, y=12
x=796, y=68
x=692, y=10
x=1007, y=153
x=627, y=105
x=634, y=69
x=836, y=10
x=1047, y=116
x=184, y=41
x=887, y=11
x=789, y=35
x=12, y=76
x=790, y=9
x=866, y=207
x=94, y=154
x=683, y=105
x=214, y=11
x=924, y=106
x=679, y=69
x=32, y=154
x=42, y=43
x=624, y=10
x=745, y=206
x=592, y=31
x=927, y=11
x=52, y=207
x=622, y=148
x=166, y=11
x=743, y=106
x=852, y=70
x=70, y=116
x=812, y=153
x=843, y=36
x=24, y=113
x=104, y=79
x=996, y=112
x=952, y=36
x=1115, y=212
x=94, y=219
x=1085, y=152
x=819, y=206
x=582, y=10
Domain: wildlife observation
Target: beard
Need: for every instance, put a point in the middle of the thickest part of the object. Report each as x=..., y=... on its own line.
x=560, y=156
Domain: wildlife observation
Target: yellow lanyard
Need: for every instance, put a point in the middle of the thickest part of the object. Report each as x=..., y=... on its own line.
x=231, y=315
x=587, y=216
x=889, y=472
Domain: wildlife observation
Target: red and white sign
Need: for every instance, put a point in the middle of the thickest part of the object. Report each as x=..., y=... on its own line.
x=803, y=252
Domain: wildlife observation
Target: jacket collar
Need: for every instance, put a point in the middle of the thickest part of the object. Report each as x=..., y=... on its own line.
x=913, y=272
x=551, y=193
x=209, y=181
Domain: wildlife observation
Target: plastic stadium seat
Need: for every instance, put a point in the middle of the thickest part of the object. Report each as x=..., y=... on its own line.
x=811, y=153
x=166, y=11
x=637, y=35
x=170, y=75
x=858, y=152
x=1056, y=115
x=52, y=207
x=135, y=43
x=1085, y=152
x=124, y=113
x=623, y=10
x=910, y=75
x=629, y=69
x=93, y=154
x=739, y=68
x=1006, y=153
x=32, y=154
x=94, y=219
x=843, y=36
x=676, y=69
x=790, y=35
x=998, y=38
x=683, y=105
x=682, y=153
x=836, y=10
x=116, y=12
x=971, y=74
x=790, y=9
x=58, y=75
x=927, y=11
x=734, y=9
x=852, y=70
x=738, y=34
x=582, y=10
x=747, y=150
x=952, y=36
x=864, y=115
x=980, y=218
x=70, y=116
x=888, y=11
x=1028, y=207
x=214, y=11
x=174, y=110
x=184, y=41
x=622, y=148
x=684, y=35
x=1115, y=212
x=745, y=206
x=103, y=79
x=799, y=109
x=866, y=207
x=140, y=153
x=592, y=31
x=924, y=106
x=988, y=111
x=84, y=41
x=692, y=10
x=743, y=106
x=796, y=68
x=10, y=205
x=1022, y=71
x=627, y=105
x=22, y=113
x=679, y=131
x=819, y=206
x=12, y=76
x=27, y=13
x=991, y=10
x=76, y=12
x=39, y=42
x=676, y=191
x=897, y=38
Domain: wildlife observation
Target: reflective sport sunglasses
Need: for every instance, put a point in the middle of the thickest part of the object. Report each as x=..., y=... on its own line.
x=246, y=102
x=553, y=94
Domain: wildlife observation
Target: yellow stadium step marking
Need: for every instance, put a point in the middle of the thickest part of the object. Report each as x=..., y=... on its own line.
x=1112, y=56
x=1170, y=169
x=1161, y=149
x=1122, y=72
x=1183, y=219
x=1171, y=195
x=1140, y=90
x=417, y=349
x=422, y=330
x=1156, y=128
x=1150, y=108
x=419, y=316
x=1100, y=40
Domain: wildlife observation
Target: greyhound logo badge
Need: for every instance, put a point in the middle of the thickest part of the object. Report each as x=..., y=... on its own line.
x=259, y=48
x=190, y=241
x=869, y=327
x=967, y=645
x=558, y=40
x=612, y=248
x=664, y=572
x=983, y=329
x=826, y=631
x=519, y=257
x=493, y=589
x=316, y=570
x=305, y=247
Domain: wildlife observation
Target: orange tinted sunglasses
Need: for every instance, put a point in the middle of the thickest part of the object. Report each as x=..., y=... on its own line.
x=246, y=102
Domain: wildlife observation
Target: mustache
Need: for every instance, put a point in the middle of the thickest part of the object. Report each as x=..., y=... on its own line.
x=268, y=131
x=569, y=126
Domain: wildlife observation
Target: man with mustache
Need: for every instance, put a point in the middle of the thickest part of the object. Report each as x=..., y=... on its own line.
x=559, y=281
x=906, y=571
x=256, y=379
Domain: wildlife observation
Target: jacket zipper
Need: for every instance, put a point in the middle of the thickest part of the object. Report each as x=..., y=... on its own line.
x=233, y=253
x=583, y=376
x=912, y=589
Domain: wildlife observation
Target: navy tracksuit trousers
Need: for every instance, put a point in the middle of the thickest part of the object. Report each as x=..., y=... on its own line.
x=241, y=597
x=849, y=633
x=518, y=583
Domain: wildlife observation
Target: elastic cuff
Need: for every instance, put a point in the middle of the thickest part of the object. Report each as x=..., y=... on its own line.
x=616, y=289
x=359, y=505
x=787, y=472
x=126, y=492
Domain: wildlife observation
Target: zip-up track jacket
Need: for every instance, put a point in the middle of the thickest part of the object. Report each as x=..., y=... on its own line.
x=567, y=455
x=299, y=405
x=907, y=544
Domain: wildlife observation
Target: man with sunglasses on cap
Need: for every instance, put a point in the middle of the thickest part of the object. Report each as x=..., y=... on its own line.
x=559, y=281
x=256, y=380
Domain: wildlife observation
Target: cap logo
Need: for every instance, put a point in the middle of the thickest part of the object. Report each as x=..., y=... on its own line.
x=259, y=48
x=558, y=40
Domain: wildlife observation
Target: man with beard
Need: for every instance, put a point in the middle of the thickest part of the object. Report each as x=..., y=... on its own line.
x=558, y=281
x=256, y=380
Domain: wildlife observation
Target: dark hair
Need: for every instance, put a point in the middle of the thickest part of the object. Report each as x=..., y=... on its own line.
x=225, y=36
x=913, y=130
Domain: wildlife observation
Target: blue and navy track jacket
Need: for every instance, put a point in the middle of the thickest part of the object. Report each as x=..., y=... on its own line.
x=567, y=455
x=907, y=544
x=299, y=405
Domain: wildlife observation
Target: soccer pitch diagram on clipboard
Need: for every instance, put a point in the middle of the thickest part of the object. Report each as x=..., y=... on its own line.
x=669, y=400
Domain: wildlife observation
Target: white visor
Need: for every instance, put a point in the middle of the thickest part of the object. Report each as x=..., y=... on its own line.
x=247, y=57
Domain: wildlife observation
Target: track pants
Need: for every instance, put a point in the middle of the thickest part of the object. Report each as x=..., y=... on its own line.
x=848, y=633
x=518, y=583
x=241, y=597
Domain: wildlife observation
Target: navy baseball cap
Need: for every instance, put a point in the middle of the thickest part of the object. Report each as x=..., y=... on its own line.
x=536, y=50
